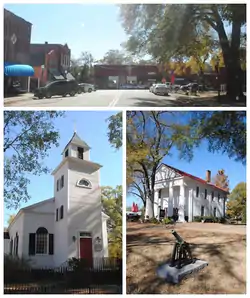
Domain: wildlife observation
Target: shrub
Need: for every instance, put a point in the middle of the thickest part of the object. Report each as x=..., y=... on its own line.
x=186, y=218
x=154, y=220
x=222, y=220
x=197, y=218
x=167, y=221
x=16, y=269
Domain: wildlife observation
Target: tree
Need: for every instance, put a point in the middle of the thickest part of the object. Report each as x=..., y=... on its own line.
x=152, y=27
x=236, y=206
x=116, y=57
x=152, y=135
x=112, y=206
x=28, y=137
x=115, y=130
x=82, y=68
x=221, y=180
x=11, y=218
x=225, y=132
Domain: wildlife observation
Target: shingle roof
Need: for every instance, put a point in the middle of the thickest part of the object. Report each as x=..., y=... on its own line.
x=76, y=140
x=195, y=178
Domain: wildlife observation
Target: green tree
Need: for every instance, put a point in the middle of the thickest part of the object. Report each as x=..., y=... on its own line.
x=221, y=180
x=11, y=218
x=28, y=137
x=116, y=57
x=115, y=130
x=112, y=206
x=236, y=205
x=152, y=27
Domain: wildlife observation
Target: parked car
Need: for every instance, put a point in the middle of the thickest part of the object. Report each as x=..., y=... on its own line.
x=191, y=87
x=85, y=87
x=161, y=89
x=59, y=87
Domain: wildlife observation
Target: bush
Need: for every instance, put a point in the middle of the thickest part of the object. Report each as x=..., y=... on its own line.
x=222, y=220
x=16, y=269
x=154, y=220
x=167, y=221
x=197, y=218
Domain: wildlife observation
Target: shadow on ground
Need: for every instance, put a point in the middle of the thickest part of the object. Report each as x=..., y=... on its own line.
x=225, y=254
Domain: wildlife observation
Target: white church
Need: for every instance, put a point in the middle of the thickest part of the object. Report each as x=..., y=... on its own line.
x=71, y=224
x=185, y=196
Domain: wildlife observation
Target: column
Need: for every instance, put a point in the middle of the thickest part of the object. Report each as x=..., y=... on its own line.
x=170, y=200
x=190, y=205
x=156, y=204
x=181, y=203
x=149, y=208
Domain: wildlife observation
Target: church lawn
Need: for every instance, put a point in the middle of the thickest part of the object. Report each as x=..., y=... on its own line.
x=222, y=246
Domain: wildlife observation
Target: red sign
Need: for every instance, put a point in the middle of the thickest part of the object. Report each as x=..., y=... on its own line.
x=172, y=78
x=163, y=80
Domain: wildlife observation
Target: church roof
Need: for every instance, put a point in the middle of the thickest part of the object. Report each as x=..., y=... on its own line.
x=76, y=140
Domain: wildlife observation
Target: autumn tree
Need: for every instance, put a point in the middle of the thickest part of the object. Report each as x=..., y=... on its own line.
x=11, y=218
x=221, y=180
x=236, y=205
x=153, y=30
x=112, y=206
x=28, y=137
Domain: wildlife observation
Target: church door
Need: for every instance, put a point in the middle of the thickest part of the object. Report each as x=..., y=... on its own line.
x=86, y=250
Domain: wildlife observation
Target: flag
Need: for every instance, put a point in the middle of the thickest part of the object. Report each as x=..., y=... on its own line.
x=133, y=207
x=136, y=208
x=172, y=77
x=52, y=51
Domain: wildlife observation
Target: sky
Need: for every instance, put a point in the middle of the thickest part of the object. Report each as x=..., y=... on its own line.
x=203, y=161
x=92, y=128
x=84, y=27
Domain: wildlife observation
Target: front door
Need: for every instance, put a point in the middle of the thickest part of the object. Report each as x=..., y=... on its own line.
x=86, y=250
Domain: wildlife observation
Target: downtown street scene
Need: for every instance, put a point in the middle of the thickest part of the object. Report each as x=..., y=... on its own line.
x=137, y=55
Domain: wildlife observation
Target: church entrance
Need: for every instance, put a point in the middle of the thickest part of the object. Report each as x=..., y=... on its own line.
x=86, y=251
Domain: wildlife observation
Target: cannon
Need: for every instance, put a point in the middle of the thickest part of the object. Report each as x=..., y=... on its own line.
x=181, y=254
x=181, y=263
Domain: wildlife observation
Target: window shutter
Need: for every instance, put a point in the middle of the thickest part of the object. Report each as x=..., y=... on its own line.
x=32, y=244
x=51, y=244
x=17, y=240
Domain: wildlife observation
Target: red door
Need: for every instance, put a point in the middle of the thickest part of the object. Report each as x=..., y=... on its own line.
x=86, y=250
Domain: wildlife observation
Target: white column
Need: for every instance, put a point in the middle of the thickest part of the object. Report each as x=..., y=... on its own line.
x=181, y=203
x=149, y=208
x=171, y=198
x=190, y=205
x=156, y=204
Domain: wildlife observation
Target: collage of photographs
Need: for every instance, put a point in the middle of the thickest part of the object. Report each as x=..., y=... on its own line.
x=124, y=147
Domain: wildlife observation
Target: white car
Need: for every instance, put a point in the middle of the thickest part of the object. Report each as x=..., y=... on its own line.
x=161, y=89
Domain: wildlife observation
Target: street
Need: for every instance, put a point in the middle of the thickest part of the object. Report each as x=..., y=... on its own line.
x=110, y=98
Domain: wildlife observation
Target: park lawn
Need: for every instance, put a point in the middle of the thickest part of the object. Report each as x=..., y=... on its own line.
x=222, y=246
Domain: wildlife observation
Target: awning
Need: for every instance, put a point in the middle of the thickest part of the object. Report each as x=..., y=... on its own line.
x=18, y=70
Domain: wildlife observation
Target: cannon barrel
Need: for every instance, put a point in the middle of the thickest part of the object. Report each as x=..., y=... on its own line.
x=177, y=236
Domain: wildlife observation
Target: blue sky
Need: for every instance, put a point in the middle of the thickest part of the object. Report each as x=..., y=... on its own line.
x=92, y=128
x=84, y=27
x=202, y=161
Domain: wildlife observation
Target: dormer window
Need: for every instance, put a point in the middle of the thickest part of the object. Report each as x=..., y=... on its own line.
x=84, y=183
x=67, y=153
x=80, y=152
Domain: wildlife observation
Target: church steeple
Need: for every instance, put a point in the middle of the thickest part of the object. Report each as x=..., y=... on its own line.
x=77, y=148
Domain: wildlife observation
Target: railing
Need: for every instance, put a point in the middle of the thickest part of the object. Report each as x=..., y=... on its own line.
x=105, y=272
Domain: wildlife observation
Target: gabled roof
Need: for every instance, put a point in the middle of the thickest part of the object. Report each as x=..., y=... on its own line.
x=76, y=140
x=185, y=174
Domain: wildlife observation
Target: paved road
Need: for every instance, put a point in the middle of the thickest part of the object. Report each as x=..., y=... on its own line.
x=100, y=98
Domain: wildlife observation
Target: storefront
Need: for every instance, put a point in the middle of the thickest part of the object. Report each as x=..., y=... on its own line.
x=14, y=73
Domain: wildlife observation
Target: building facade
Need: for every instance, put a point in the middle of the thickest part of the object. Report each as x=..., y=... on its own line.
x=113, y=76
x=50, y=62
x=17, y=35
x=71, y=224
x=184, y=196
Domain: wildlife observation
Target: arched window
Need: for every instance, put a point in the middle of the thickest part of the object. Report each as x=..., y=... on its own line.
x=84, y=183
x=42, y=241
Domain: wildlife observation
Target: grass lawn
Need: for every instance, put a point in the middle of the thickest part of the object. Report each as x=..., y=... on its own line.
x=222, y=246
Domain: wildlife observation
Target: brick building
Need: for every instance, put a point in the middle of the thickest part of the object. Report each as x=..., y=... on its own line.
x=17, y=35
x=50, y=62
x=112, y=76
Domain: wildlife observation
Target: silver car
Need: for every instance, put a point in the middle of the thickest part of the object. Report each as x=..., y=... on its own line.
x=161, y=89
x=85, y=87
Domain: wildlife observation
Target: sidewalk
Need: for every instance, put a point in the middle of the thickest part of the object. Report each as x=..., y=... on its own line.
x=21, y=97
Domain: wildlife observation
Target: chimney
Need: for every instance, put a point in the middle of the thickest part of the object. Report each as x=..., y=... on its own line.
x=208, y=176
x=46, y=42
